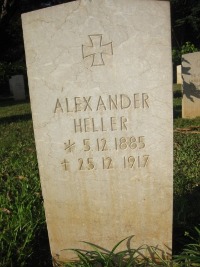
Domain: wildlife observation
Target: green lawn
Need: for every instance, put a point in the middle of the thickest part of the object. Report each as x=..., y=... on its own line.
x=23, y=235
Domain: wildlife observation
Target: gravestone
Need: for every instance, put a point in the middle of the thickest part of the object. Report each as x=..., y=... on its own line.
x=17, y=87
x=100, y=83
x=191, y=85
x=179, y=79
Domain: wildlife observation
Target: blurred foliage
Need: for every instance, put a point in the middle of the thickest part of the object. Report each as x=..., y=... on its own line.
x=185, y=22
x=177, y=53
x=9, y=69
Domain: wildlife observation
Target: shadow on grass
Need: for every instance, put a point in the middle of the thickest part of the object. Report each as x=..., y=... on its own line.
x=41, y=256
x=177, y=94
x=186, y=217
x=11, y=102
x=15, y=118
x=177, y=111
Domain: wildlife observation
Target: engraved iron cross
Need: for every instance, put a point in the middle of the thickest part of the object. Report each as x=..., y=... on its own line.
x=96, y=50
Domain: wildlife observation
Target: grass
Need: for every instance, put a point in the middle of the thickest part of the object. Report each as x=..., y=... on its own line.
x=142, y=256
x=21, y=214
x=23, y=234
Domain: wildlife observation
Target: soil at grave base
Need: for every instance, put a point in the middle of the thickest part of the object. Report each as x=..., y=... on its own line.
x=191, y=129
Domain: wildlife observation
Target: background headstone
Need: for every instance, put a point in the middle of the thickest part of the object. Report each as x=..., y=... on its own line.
x=100, y=84
x=191, y=85
x=179, y=79
x=17, y=87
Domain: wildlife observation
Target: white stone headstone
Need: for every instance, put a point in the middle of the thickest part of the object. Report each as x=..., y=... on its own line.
x=191, y=85
x=100, y=84
x=179, y=79
x=17, y=87
x=11, y=85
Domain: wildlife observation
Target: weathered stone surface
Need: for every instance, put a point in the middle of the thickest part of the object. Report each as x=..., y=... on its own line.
x=101, y=94
x=191, y=85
